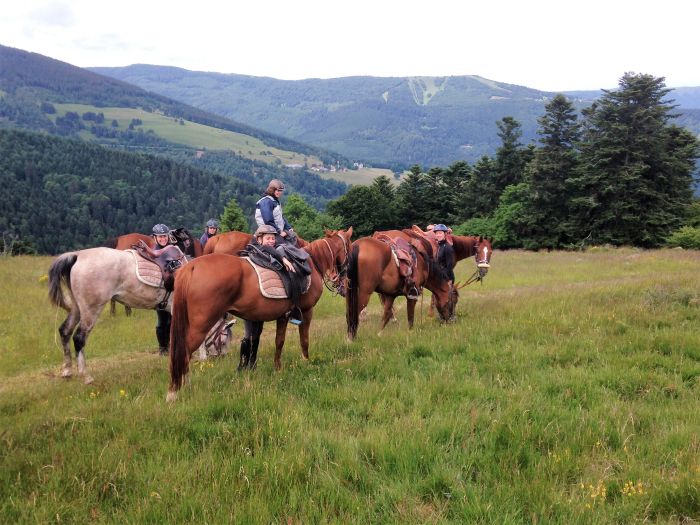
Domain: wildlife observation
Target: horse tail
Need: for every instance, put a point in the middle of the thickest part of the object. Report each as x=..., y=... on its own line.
x=352, y=313
x=179, y=326
x=59, y=274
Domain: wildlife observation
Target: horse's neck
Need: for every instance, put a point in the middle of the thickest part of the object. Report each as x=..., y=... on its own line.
x=464, y=247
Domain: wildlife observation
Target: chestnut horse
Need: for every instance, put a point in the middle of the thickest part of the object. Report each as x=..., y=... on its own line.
x=372, y=268
x=210, y=286
x=234, y=242
x=464, y=246
x=184, y=240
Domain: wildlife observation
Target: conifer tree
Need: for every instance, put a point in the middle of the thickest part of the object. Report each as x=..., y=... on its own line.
x=233, y=218
x=635, y=181
x=547, y=175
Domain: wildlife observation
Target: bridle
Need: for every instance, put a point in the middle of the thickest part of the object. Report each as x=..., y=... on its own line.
x=335, y=284
x=479, y=273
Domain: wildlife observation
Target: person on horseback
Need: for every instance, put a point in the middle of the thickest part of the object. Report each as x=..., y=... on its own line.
x=268, y=210
x=161, y=234
x=211, y=231
x=446, y=253
x=265, y=239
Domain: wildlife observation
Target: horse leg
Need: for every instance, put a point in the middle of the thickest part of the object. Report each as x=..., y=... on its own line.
x=280, y=336
x=65, y=331
x=127, y=310
x=431, y=310
x=304, y=333
x=112, y=307
x=382, y=299
x=87, y=323
x=410, y=311
x=388, y=311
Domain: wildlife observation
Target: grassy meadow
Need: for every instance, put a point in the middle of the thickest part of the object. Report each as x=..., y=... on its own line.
x=192, y=134
x=567, y=391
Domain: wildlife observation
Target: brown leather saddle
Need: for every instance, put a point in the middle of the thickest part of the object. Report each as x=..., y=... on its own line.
x=168, y=260
x=407, y=261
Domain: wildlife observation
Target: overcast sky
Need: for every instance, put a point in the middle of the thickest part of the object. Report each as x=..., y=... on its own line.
x=544, y=44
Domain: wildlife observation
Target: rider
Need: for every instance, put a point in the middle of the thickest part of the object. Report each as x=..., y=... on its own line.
x=211, y=231
x=268, y=210
x=161, y=234
x=265, y=238
x=446, y=253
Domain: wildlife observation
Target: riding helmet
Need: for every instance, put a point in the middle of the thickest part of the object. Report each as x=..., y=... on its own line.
x=161, y=229
x=440, y=228
x=213, y=223
x=265, y=228
x=275, y=184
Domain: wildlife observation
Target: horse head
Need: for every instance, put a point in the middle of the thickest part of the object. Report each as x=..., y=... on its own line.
x=184, y=240
x=483, y=251
x=338, y=243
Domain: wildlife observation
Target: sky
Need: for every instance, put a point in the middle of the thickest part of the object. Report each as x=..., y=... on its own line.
x=543, y=44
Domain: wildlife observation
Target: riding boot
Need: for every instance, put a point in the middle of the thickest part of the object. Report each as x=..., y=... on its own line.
x=254, y=353
x=163, y=336
x=245, y=354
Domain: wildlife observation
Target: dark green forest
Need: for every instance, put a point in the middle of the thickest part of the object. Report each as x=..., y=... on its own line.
x=58, y=194
x=622, y=174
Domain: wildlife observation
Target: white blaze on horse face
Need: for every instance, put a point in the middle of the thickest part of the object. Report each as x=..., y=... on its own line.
x=486, y=253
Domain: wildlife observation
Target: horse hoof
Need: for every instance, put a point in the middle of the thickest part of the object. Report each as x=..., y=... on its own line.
x=66, y=373
x=171, y=397
x=88, y=380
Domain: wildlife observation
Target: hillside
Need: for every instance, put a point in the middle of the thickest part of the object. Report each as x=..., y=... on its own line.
x=31, y=85
x=58, y=194
x=390, y=121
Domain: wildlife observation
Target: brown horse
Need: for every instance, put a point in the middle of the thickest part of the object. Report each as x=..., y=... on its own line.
x=234, y=242
x=371, y=268
x=210, y=286
x=464, y=246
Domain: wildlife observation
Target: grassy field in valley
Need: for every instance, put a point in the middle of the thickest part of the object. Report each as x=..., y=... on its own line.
x=567, y=391
x=192, y=134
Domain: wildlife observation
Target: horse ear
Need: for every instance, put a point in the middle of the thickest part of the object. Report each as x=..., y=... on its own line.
x=349, y=232
x=481, y=238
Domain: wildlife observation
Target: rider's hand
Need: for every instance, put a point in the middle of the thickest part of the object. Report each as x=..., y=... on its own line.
x=288, y=265
x=283, y=234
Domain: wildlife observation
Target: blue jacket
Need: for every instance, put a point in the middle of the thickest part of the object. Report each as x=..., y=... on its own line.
x=268, y=210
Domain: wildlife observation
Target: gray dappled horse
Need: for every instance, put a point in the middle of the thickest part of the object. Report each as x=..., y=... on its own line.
x=91, y=279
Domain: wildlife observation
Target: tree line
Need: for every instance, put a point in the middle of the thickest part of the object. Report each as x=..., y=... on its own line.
x=622, y=173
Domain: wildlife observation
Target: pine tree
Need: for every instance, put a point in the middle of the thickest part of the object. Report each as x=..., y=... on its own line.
x=635, y=181
x=233, y=218
x=547, y=175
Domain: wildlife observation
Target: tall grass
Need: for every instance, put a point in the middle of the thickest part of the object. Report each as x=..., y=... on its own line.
x=566, y=392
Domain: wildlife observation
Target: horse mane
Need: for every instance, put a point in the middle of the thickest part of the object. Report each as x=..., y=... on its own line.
x=320, y=255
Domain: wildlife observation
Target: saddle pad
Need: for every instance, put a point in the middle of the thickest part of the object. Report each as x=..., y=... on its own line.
x=270, y=282
x=146, y=271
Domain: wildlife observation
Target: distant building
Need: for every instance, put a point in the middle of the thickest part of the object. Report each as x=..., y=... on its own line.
x=199, y=154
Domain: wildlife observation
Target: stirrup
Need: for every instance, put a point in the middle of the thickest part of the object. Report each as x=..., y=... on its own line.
x=296, y=322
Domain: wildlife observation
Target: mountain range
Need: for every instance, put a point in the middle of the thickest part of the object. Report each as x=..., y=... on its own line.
x=386, y=121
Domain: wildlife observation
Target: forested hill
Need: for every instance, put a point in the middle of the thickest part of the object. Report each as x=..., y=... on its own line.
x=394, y=121
x=59, y=194
x=31, y=84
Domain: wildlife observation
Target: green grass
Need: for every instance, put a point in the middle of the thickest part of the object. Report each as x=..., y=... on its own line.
x=363, y=177
x=566, y=392
x=192, y=134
